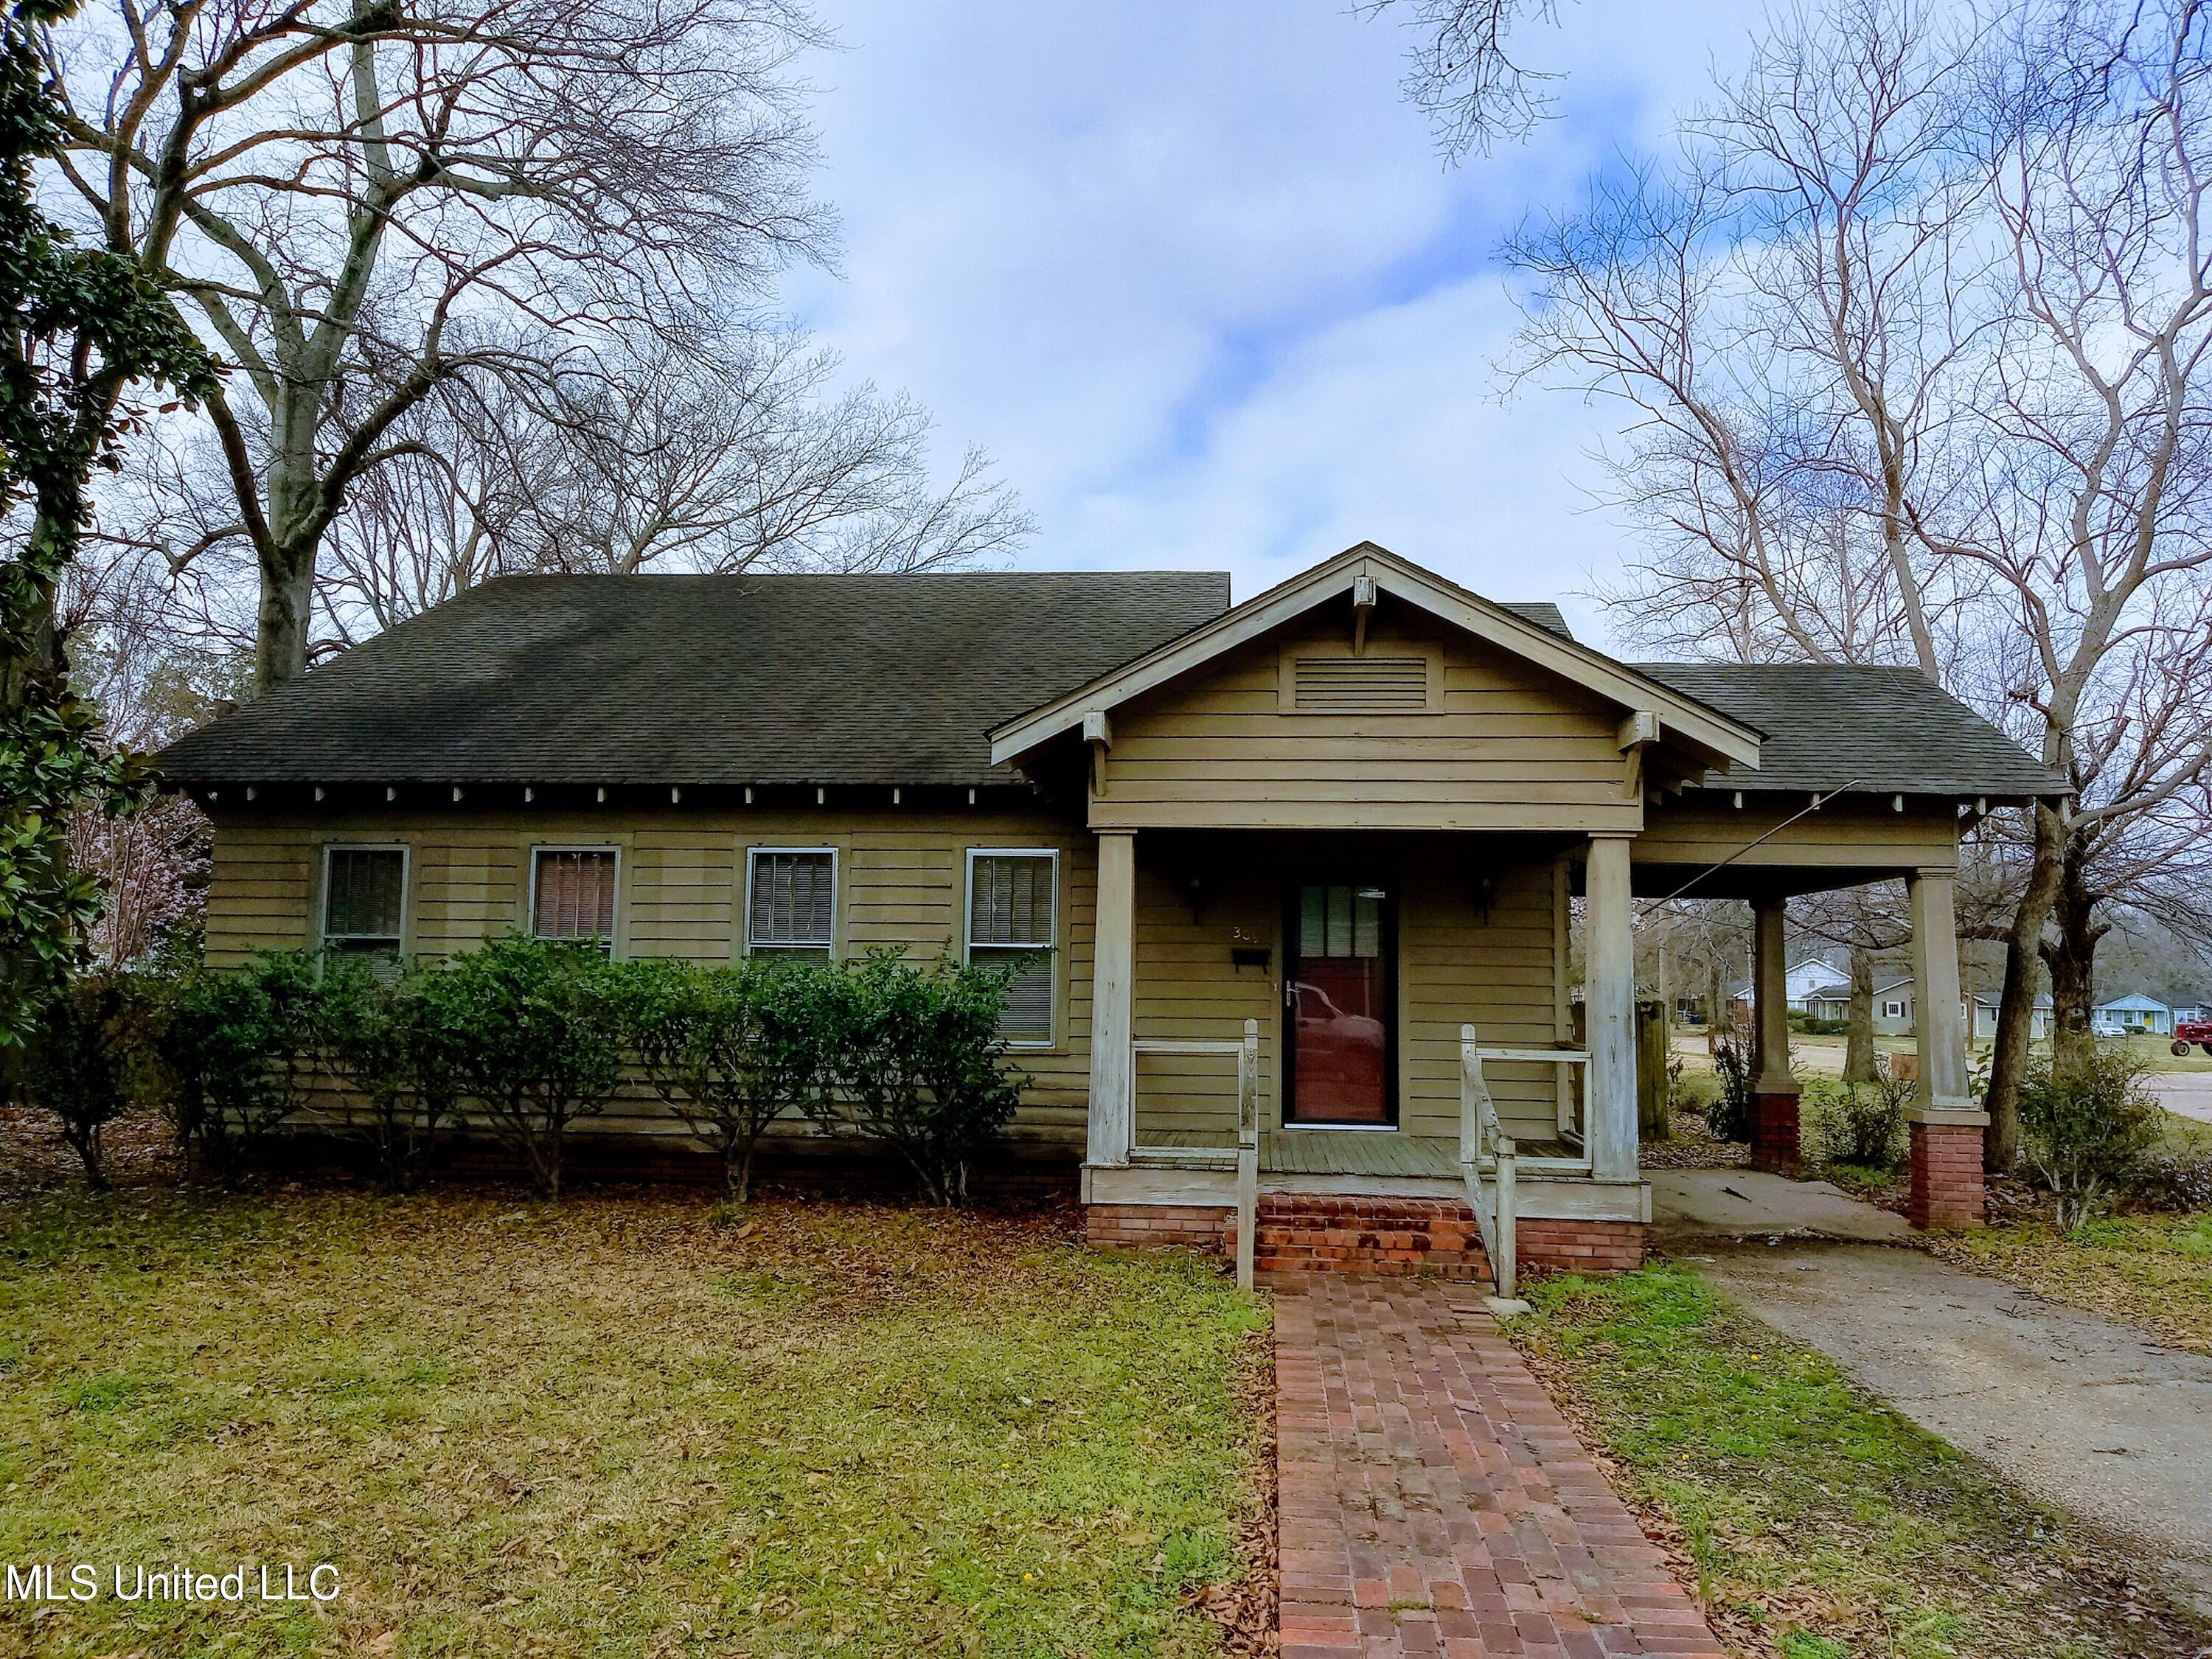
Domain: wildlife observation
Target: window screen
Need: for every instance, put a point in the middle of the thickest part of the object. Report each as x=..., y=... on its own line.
x=794, y=903
x=1010, y=899
x=364, y=898
x=575, y=895
x=1340, y=921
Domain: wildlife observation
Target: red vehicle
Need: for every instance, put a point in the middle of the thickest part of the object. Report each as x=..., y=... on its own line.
x=2186, y=1031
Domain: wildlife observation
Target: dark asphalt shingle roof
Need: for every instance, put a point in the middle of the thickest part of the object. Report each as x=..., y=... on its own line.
x=724, y=680
x=1827, y=723
x=702, y=679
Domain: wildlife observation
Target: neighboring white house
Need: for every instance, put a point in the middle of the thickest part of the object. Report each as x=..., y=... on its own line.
x=1805, y=977
x=2138, y=1013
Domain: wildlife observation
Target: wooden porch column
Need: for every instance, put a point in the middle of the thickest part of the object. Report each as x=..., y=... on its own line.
x=1945, y=1127
x=1773, y=1089
x=1113, y=1061
x=1609, y=1007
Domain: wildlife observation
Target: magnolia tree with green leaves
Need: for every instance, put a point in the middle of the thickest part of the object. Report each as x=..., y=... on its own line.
x=83, y=329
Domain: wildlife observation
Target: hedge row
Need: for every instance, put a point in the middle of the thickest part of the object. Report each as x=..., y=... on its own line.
x=529, y=1038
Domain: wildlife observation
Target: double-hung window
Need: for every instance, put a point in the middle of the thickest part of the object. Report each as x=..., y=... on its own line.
x=1013, y=917
x=571, y=894
x=790, y=901
x=365, y=900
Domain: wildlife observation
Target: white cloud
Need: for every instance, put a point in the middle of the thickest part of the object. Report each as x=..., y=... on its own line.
x=1195, y=278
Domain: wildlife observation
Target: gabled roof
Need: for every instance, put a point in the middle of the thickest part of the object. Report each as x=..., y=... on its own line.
x=707, y=680
x=2134, y=1003
x=1719, y=738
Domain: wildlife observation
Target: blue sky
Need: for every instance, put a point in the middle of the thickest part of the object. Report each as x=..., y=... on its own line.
x=1195, y=278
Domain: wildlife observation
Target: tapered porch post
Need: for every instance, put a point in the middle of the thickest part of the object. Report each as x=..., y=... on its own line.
x=1774, y=1091
x=1609, y=1009
x=1945, y=1127
x=1113, y=1061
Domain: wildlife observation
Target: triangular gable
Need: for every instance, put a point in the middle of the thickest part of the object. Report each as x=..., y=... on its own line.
x=1717, y=739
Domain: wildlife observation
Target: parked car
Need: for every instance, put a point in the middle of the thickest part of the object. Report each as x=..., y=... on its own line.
x=2198, y=1031
x=2106, y=1025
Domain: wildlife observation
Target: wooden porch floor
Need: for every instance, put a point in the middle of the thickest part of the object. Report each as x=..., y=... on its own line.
x=1344, y=1152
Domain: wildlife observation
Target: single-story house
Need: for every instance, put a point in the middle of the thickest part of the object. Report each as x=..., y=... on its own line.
x=1896, y=1011
x=1830, y=1000
x=2137, y=1012
x=1328, y=838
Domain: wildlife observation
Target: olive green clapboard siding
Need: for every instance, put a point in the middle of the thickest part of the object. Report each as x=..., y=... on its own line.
x=1507, y=747
x=901, y=884
x=1855, y=835
x=1504, y=973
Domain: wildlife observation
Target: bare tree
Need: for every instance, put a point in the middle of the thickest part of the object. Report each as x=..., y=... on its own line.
x=365, y=201
x=1911, y=336
x=1465, y=75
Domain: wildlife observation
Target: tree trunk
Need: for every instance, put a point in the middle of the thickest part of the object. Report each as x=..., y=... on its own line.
x=738, y=1172
x=2072, y=958
x=287, y=610
x=1716, y=1001
x=1859, y=1045
x=2016, y=1016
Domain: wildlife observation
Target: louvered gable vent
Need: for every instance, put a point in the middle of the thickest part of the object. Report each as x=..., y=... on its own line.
x=1360, y=685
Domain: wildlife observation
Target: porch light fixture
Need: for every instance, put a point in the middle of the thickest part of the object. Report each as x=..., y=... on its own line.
x=457, y=791
x=1738, y=800
x=319, y=791
x=895, y=795
x=528, y=794
x=1897, y=803
x=391, y=793
x=675, y=796
x=250, y=791
x=748, y=794
x=603, y=791
x=821, y=796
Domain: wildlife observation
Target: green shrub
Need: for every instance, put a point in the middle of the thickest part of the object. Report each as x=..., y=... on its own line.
x=389, y=1039
x=732, y=1048
x=2088, y=1127
x=1863, y=1123
x=1812, y=1027
x=1728, y=1117
x=84, y=1055
x=919, y=1065
x=235, y=1053
x=535, y=1035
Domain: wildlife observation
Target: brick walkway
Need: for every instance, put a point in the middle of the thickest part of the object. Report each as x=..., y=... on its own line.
x=1434, y=1501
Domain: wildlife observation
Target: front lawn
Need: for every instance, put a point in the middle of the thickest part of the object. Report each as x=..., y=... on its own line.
x=2152, y=1270
x=613, y=1427
x=1818, y=1523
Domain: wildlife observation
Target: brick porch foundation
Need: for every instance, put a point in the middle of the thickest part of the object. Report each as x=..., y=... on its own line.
x=1774, y=1146
x=1947, y=1169
x=1436, y=1237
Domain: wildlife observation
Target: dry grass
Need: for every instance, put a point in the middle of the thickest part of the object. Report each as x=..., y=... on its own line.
x=2154, y=1272
x=614, y=1427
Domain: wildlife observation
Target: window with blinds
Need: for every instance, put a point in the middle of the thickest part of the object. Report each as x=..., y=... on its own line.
x=364, y=899
x=790, y=905
x=1012, y=898
x=1359, y=685
x=573, y=894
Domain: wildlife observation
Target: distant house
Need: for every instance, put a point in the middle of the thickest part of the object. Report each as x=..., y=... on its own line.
x=2137, y=1012
x=1828, y=1002
x=1805, y=980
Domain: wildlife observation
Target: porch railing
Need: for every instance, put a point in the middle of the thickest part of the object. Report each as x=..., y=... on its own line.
x=1485, y=1150
x=1247, y=1053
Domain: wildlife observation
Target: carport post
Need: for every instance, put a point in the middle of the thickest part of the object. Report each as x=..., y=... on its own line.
x=1946, y=1128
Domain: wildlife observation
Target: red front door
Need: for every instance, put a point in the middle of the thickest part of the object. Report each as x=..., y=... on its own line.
x=1337, y=997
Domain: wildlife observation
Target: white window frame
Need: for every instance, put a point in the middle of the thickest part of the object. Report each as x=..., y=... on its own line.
x=1892, y=1009
x=322, y=938
x=968, y=929
x=777, y=947
x=615, y=932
